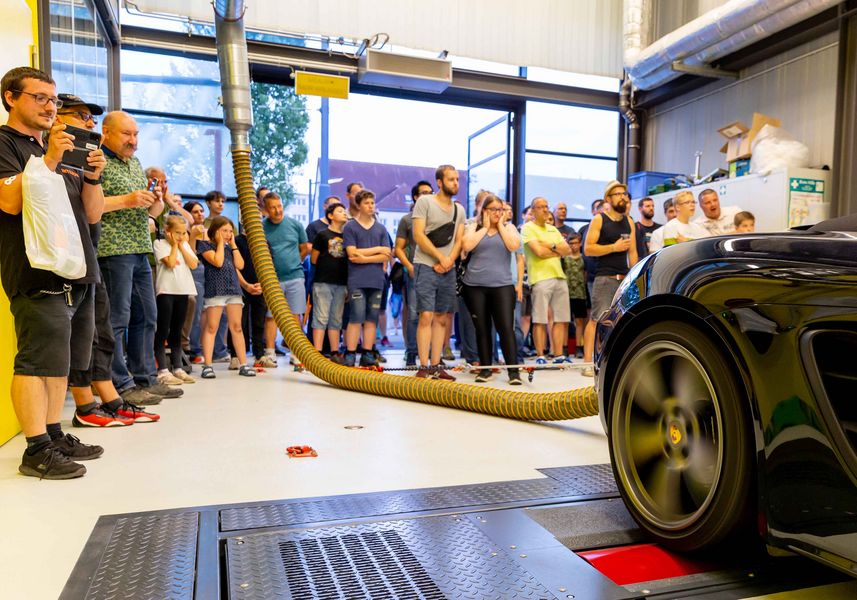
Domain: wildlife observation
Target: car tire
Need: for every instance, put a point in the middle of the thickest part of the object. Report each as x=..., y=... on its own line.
x=680, y=441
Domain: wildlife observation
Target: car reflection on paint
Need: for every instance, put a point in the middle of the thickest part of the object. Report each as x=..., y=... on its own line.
x=727, y=382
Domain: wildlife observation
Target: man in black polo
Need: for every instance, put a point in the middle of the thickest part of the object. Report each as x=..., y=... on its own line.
x=54, y=318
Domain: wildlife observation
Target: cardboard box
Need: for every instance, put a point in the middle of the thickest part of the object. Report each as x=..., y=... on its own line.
x=739, y=168
x=739, y=137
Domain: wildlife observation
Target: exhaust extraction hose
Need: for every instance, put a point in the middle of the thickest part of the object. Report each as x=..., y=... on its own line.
x=234, y=69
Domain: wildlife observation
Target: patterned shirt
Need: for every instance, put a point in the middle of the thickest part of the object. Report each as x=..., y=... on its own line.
x=222, y=280
x=575, y=277
x=124, y=231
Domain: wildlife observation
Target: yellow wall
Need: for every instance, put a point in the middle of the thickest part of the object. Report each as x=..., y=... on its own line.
x=19, y=31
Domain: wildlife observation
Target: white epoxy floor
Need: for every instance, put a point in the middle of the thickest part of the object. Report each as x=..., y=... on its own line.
x=225, y=442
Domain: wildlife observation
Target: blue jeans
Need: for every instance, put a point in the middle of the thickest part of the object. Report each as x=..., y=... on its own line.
x=133, y=316
x=469, y=351
x=413, y=316
x=194, y=337
x=519, y=333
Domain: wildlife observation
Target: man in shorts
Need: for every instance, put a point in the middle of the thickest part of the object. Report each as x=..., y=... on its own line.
x=610, y=240
x=54, y=316
x=438, y=228
x=289, y=246
x=543, y=247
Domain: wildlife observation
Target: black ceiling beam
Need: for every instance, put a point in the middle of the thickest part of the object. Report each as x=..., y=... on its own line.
x=813, y=28
x=469, y=88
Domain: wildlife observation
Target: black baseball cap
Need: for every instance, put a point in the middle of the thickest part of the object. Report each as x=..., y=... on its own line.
x=69, y=100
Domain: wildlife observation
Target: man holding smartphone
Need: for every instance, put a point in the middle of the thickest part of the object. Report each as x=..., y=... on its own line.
x=54, y=317
x=609, y=240
x=123, y=257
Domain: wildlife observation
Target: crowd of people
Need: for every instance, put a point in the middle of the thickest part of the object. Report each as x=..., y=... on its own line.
x=165, y=277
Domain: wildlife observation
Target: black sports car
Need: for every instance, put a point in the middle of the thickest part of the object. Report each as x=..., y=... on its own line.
x=727, y=381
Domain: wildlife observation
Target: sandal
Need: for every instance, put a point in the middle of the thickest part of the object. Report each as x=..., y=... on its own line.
x=208, y=372
x=246, y=371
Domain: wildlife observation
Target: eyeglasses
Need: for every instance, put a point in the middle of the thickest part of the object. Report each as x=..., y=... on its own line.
x=683, y=202
x=42, y=99
x=495, y=210
x=626, y=194
x=83, y=116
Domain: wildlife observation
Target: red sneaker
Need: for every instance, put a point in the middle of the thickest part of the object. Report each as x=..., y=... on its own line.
x=100, y=417
x=197, y=360
x=132, y=411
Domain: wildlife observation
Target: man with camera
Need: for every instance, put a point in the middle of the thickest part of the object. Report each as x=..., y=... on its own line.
x=438, y=223
x=54, y=317
x=123, y=258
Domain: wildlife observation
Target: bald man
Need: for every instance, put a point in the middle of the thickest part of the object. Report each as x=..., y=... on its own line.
x=125, y=269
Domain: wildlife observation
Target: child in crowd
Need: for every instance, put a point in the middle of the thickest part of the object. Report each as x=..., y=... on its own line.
x=369, y=249
x=173, y=284
x=745, y=222
x=575, y=276
x=221, y=258
x=330, y=285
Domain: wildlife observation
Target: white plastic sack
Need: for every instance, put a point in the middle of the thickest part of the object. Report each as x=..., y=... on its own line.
x=773, y=148
x=51, y=236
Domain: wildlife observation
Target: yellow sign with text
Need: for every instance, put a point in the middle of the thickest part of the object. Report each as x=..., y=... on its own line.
x=319, y=84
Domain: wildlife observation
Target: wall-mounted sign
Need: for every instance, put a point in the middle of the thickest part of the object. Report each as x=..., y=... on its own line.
x=321, y=84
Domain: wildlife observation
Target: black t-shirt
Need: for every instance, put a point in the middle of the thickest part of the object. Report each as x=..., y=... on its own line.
x=332, y=263
x=249, y=270
x=17, y=275
x=314, y=228
x=644, y=235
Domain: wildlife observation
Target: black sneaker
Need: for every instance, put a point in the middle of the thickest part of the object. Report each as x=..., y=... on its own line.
x=410, y=360
x=484, y=375
x=50, y=463
x=139, y=396
x=350, y=359
x=164, y=391
x=515, y=377
x=368, y=359
x=72, y=447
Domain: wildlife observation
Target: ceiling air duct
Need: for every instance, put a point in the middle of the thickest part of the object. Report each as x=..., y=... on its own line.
x=402, y=72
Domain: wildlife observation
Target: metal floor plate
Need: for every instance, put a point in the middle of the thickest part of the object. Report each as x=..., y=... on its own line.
x=562, y=482
x=428, y=559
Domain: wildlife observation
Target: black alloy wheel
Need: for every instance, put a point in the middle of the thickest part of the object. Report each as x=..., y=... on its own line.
x=680, y=442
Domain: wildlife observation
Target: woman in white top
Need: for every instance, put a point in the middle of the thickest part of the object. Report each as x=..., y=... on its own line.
x=173, y=284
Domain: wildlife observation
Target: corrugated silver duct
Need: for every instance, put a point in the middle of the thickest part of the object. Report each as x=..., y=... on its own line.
x=715, y=34
x=234, y=71
x=632, y=163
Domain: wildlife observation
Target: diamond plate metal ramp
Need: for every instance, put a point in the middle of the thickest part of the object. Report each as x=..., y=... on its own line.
x=148, y=558
x=428, y=559
x=562, y=482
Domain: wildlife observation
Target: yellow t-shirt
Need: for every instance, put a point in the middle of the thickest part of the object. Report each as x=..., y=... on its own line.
x=539, y=269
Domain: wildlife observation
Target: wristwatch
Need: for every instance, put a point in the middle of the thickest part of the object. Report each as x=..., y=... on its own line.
x=553, y=248
x=93, y=181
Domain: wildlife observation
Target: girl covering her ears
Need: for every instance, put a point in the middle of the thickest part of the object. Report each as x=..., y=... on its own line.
x=173, y=285
x=221, y=258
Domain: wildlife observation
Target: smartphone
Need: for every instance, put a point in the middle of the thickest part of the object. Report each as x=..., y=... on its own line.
x=625, y=236
x=153, y=184
x=85, y=141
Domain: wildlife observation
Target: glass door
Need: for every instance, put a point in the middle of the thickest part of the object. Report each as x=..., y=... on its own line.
x=488, y=160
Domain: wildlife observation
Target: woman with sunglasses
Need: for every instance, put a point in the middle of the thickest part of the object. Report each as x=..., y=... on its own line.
x=488, y=288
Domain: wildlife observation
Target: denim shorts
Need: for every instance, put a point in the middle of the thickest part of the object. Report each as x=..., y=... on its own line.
x=603, y=290
x=295, y=292
x=435, y=291
x=365, y=305
x=328, y=304
x=52, y=336
x=222, y=301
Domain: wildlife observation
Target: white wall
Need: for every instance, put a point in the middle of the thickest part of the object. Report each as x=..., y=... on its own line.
x=798, y=87
x=17, y=36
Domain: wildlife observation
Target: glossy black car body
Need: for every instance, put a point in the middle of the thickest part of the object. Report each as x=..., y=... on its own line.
x=727, y=380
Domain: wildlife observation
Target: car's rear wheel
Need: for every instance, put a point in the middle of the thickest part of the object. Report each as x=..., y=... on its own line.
x=680, y=439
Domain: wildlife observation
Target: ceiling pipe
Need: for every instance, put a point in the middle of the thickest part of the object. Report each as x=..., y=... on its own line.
x=717, y=33
x=234, y=71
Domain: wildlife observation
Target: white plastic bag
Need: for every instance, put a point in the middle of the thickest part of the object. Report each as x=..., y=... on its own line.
x=51, y=236
x=774, y=149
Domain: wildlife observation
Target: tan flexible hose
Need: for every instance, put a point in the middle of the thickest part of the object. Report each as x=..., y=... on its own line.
x=553, y=406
